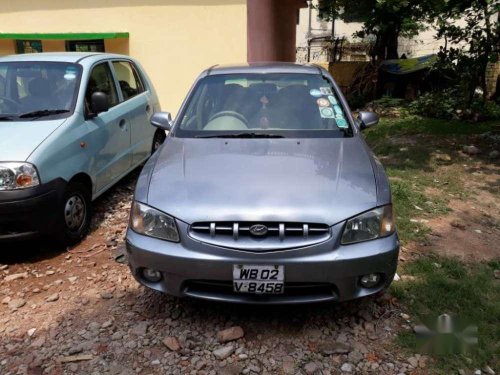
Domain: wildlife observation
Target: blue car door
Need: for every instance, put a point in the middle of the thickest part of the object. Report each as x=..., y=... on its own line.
x=138, y=102
x=109, y=131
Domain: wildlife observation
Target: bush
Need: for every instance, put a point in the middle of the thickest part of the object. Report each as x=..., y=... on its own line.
x=487, y=110
x=448, y=104
x=441, y=104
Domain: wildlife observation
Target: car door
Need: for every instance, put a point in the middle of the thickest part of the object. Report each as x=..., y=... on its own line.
x=137, y=100
x=110, y=130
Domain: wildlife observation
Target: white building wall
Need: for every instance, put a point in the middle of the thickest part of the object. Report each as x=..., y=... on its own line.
x=322, y=28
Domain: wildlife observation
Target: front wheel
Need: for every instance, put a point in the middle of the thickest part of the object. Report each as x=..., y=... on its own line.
x=75, y=214
x=158, y=140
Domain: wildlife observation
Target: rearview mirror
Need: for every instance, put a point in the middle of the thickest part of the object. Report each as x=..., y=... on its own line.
x=367, y=119
x=162, y=120
x=99, y=102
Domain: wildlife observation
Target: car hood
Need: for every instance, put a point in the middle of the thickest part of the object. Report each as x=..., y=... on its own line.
x=18, y=139
x=313, y=180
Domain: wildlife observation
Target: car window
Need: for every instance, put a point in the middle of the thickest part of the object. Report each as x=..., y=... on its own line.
x=101, y=80
x=29, y=87
x=130, y=83
x=284, y=103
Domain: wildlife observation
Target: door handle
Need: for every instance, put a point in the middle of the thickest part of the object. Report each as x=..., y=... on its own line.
x=123, y=124
x=148, y=108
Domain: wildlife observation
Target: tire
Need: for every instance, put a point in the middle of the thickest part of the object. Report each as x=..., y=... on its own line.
x=158, y=140
x=75, y=214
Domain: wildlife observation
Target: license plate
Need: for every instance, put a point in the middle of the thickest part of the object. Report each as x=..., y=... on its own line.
x=258, y=279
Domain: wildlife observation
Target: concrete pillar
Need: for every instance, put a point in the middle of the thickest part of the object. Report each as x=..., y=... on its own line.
x=271, y=29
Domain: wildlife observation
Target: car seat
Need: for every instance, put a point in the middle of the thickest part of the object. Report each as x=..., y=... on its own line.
x=40, y=96
x=298, y=108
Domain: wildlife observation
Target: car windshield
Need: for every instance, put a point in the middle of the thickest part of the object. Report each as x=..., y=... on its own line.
x=263, y=105
x=37, y=90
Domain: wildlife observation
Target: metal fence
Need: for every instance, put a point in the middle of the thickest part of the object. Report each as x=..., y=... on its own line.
x=338, y=51
x=317, y=54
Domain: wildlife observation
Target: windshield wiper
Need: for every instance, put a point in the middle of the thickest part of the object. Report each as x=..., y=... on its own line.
x=43, y=112
x=242, y=135
x=6, y=118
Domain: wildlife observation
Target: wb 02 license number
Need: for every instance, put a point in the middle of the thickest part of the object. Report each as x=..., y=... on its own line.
x=258, y=279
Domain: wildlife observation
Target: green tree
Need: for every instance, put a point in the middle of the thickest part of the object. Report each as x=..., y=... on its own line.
x=385, y=20
x=330, y=11
x=472, y=34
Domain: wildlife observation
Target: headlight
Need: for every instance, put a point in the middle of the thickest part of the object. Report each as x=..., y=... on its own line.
x=369, y=225
x=17, y=176
x=153, y=223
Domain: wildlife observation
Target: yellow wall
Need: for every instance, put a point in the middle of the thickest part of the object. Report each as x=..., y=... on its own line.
x=173, y=39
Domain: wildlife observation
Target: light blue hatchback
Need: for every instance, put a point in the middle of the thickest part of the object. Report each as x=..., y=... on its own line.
x=71, y=126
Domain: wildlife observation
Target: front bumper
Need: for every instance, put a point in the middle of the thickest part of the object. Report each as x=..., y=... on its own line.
x=323, y=272
x=27, y=213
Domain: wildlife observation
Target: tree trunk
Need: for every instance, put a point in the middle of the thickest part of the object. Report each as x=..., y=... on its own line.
x=386, y=46
x=487, y=51
x=392, y=45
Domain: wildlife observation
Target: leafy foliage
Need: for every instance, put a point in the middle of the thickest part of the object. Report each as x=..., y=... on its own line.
x=449, y=104
x=387, y=20
x=472, y=34
x=383, y=20
x=471, y=30
x=441, y=104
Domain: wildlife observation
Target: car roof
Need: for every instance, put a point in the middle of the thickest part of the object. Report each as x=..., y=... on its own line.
x=70, y=57
x=265, y=67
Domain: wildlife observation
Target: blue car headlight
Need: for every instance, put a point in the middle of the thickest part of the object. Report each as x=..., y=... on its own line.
x=370, y=225
x=153, y=223
x=18, y=176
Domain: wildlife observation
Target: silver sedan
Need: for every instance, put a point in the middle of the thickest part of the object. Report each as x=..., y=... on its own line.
x=264, y=192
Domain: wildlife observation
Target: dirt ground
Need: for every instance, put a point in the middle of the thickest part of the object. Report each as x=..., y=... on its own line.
x=79, y=311
x=471, y=230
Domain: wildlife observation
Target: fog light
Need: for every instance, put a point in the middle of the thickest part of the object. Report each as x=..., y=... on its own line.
x=371, y=280
x=150, y=275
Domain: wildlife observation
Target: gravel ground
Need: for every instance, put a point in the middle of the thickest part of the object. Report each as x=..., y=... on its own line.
x=79, y=311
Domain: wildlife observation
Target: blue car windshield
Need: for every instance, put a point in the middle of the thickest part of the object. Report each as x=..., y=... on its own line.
x=277, y=104
x=37, y=90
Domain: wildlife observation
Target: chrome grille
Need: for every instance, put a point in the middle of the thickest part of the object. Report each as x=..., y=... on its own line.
x=277, y=235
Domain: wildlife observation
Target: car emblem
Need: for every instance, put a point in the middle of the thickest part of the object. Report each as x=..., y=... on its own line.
x=258, y=230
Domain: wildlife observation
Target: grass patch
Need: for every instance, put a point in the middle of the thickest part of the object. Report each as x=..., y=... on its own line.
x=410, y=203
x=425, y=167
x=412, y=150
x=411, y=125
x=470, y=291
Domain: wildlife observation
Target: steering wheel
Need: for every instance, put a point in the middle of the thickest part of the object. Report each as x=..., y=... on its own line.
x=237, y=115
x=10, y=101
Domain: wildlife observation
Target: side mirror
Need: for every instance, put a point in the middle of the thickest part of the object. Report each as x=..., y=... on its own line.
x=367, y=119
x=99, y=102
x=162, y=120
